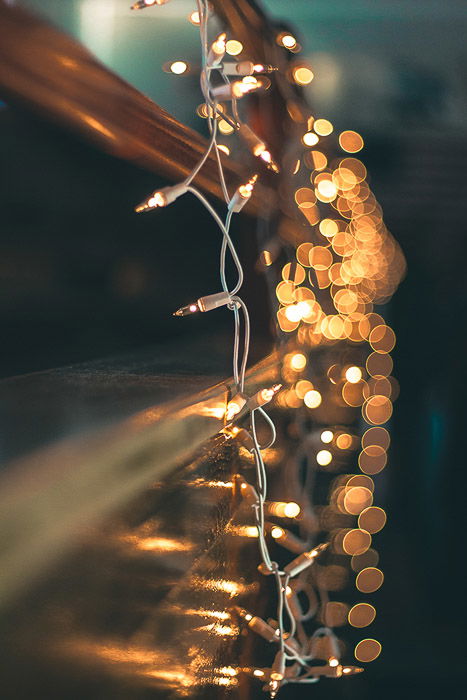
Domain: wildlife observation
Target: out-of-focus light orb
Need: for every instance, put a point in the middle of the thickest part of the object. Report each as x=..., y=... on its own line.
x=327, y=436
x=179, y=67
x=356, y=542
x=310, y=139
x=350, y=141
x=328, y=228
x=327, y=189
x=225, y=149
x=353, y=375
x=233, y=47
x=194, y=18
x=367, y=650
x=361, y=615
x=312, y=398
x=323, y=127
x=277, y=532
x=369, y=580
x=302, y=75
x=291, y=510
x=287, y=40
x=372, y=519
x=298, y=361
x=224, y=127
x=293, y=313
x=324, y=457
x=344, y=441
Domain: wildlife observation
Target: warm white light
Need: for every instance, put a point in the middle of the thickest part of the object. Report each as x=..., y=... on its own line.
x=291, y=510
x=312, y=399
x=233, y=47
x=298, y=361
x=324, y=457
x=326, y=436
x=277, y=532
x=179, y=67
x=310, y=139
x=353, y=375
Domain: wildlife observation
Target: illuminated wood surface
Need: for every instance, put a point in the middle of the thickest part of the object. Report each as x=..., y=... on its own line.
x=112, y=430
x=50, y=73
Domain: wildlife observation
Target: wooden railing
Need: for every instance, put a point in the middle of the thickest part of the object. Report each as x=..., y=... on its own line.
x=50, y=73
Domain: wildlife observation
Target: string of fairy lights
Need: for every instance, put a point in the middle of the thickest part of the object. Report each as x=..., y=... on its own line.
x=326, y=298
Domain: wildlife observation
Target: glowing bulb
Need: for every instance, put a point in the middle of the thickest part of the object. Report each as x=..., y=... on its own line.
x=258, y=673
x=217, y=50
x=312, y=399
x=333, y=661
x=302, y=75
x=157, y=200
x=194, y=18
x=310, y=139
x=291, y=510
x=233, y=47
x=235, y=405
x=293, y=313
x=287, y=41
x=324, y=457
x=179, y=67
x=263, y=397
x=353, y=375
x=327, y=436
x=323, y=127
x=277, y=532
x=327, y=189
x=141, y=4
x=246, y=190
x=225, y=149
x=298, y=361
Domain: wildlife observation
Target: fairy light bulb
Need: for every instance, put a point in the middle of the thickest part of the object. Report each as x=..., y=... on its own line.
x=263, y=396
x=249, y=493
x=287, y=41
x=278, y=667
x=161, y=198
x=237, y=89
x=242, y=195
x=142, y=4
x=305, y=560
x=217, y=50
x=287, y=539
x=203, y=304
x=240, y=434
x=235, y=405
x=245, y=68
x=333, y=661
x=257, y=147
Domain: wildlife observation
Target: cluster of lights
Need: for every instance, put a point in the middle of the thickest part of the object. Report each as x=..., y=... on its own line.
x=326, y=298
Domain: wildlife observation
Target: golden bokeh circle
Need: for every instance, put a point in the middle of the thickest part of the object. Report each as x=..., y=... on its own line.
x=369, y=580
x=367, y=650
x=361, y=615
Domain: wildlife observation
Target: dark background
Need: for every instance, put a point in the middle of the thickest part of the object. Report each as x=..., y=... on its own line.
x=82, y=277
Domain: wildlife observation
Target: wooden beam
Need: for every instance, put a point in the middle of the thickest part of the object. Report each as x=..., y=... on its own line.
x=50, y=73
